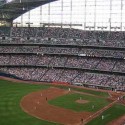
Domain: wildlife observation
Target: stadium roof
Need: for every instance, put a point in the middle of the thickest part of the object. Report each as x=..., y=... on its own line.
x=11, y=9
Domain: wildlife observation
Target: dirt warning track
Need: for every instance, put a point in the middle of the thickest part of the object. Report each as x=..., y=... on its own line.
x=36, y=104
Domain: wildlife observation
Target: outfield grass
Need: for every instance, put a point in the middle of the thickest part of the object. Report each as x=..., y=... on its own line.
x=12, y=114
x=69, y=102
x=10, y=111
x=112, y=113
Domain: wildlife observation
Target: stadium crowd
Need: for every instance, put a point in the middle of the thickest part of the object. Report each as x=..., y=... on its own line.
x=70, y=76
x=64, y=61
x=65, y=36
x=81, y=57
x=63, y=50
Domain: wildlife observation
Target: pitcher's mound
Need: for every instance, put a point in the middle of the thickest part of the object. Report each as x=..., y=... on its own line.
x=82, y=101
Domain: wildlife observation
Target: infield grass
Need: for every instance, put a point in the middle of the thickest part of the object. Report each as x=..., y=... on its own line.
x=12, y=114
x=68, y=101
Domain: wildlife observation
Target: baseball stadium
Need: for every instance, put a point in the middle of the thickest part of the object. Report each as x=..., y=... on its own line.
x=62, y=62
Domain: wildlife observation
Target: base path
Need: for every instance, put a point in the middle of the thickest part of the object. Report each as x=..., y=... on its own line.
x=36, y=105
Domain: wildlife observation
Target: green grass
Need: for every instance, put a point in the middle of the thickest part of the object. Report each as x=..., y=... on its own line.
x=93, y=92
x=10, y=110
x=12, y=114
x=112, y=113
x=68, y=102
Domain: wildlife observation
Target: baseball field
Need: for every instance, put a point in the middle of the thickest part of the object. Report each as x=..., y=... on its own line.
x=46, y=104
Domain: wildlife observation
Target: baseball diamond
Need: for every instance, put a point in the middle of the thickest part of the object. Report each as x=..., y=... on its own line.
x=62, y=62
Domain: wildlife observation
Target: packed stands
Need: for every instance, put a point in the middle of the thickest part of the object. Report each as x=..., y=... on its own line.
x=93, y=58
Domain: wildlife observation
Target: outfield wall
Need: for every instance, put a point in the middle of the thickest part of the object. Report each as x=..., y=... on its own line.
x=9, y=75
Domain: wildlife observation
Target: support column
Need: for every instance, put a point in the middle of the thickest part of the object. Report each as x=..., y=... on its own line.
x=85, y=16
